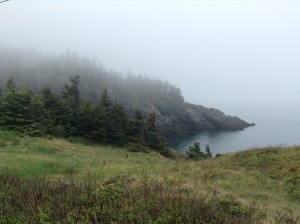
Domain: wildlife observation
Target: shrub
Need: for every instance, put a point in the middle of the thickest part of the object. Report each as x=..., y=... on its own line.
x=137, y=147
x=121, y=199
x=194, y=152
x=293, y=187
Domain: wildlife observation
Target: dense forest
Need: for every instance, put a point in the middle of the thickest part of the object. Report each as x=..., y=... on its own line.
x=66, y=114
x=174, y=116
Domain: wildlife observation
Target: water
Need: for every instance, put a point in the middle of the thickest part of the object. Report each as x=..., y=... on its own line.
x=277, y=124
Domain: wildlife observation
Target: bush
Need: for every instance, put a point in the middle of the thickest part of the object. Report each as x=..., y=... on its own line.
x=121, y=199
x=194, y=152
x=137, y=147
x=293, y=187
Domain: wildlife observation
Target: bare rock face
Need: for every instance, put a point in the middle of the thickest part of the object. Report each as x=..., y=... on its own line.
x=191, y=119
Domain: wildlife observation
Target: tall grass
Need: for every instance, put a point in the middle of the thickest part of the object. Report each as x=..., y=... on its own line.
x=121, y=199
x=158, y=190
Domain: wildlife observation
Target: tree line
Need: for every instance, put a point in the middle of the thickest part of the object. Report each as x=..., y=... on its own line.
x=36, y=70
x=66, y=114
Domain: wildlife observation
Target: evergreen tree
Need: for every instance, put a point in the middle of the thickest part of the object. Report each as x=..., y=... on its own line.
x=16, y=109
x=55, y=115
x=100, y=131
x=194, y=152
x=208, y=152
x=152, y=137
x=10, y=85
x=71, y=92
x=39, y=125
x=138, y=128
x=50, y=113
x=106, y=101
x=71, y=105
x=88, y=121
x=104, y=117
x=118, y=124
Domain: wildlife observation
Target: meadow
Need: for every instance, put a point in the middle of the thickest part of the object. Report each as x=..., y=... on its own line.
x=52, y=180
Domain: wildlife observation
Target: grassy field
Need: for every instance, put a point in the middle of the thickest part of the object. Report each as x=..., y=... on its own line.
x=59, y=157
x=268, y=178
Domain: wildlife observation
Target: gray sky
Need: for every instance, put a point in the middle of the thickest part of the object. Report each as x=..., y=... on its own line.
x=215, y=51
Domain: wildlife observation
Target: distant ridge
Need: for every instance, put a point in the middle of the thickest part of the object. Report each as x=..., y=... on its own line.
x=175, y=117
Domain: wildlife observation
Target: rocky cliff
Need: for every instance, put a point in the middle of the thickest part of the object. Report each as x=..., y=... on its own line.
x=174, y=115
x=190, y=119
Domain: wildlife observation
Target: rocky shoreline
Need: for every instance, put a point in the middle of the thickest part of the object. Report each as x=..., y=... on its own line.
x=189, y=119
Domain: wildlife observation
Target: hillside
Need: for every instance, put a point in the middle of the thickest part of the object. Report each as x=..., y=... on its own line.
x=174, y=115
x=263, y=181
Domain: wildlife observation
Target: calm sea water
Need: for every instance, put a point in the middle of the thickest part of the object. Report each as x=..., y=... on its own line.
x=277, y=123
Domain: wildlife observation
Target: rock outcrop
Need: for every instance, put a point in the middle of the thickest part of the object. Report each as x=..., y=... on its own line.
x=190, y=119
x=175, y=117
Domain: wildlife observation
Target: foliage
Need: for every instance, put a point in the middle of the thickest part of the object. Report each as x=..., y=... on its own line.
x=242, y=177
x=117, y=200
x=35, y=70
x=293, y=187
x=137, y=147
x=194, y=152
x=72, y=93
x=66, y=115
x=133, y=91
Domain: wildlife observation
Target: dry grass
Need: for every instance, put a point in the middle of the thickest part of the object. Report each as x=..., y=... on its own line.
x=269, y=176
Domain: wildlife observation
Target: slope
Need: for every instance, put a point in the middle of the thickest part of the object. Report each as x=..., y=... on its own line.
x=174, y=115
x=268, y=177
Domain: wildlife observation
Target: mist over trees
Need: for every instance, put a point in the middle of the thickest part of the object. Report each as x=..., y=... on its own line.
x=65, y=114
x=34, y=70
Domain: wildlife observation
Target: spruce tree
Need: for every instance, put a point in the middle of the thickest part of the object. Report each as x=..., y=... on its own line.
x=106, y=101
x=10, y=85
x=54, y=113
x=194, y=152
x=16, y=108
x=138, y=128
x=71, y=104
x=88, y=121
x=118, y=124
x=71, y=92
x=152, y=137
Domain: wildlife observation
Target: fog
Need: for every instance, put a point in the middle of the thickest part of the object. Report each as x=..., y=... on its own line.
x=215, y=51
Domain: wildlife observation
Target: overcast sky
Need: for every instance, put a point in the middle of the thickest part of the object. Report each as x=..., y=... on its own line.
x=215, y=51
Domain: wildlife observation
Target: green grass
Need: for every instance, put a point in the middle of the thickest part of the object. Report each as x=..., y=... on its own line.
x=268, y=176
x=41, y=156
